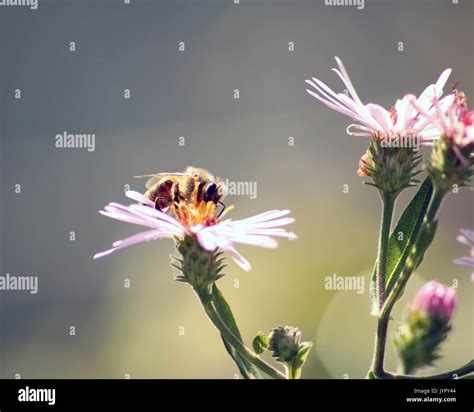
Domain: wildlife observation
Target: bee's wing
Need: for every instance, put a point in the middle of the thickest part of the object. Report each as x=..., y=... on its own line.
x=156, y=177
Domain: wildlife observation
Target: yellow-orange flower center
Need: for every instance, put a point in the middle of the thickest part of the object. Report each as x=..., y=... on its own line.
x=191, y=212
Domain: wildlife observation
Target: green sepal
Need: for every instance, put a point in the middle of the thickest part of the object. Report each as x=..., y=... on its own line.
x=300, y=359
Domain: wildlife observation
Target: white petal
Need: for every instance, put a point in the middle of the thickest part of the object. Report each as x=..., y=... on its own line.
x=442, y=79
x=157, y=218
x=382, y=117
x=114, y=214
x=272, y=232
x=132, y=194
x=265, y=216
x=135, y=239
x=240, y=225
x=143, y=237
x=207, y=240
x=425, y=101
x=330, y=95
x=364, y=131
x=337, y=107
x=239, y=259
x=347, y=81
x=363, y=115
x=255, y=240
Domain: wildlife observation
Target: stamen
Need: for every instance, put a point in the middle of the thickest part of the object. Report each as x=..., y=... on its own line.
x=393, y=115
x=194, y=211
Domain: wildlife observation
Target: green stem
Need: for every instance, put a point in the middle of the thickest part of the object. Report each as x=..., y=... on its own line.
x=438, y=196
x=379, y=348
x=467, y=369
x=290, y=370
x=388, y=202
x=412, y=262
x=240, y=347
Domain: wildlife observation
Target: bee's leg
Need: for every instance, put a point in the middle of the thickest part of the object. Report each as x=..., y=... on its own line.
x=176, y=196
x=222, y=211
x=157, y=203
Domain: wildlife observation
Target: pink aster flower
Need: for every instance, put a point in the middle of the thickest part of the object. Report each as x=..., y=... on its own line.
x=199, y=221
x=466, y=238
x=373, y=120
x=435, y=300
x=454, y=122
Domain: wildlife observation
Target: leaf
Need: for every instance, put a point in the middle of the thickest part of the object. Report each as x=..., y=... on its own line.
x=409, y=225
x=246, y=368
x=260, y=343
x=300, y=358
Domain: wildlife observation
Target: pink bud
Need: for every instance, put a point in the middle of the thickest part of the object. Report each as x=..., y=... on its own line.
x=435, y=300
x=468, y=118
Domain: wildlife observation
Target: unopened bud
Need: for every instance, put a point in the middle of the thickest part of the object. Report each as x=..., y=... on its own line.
x=427, y=325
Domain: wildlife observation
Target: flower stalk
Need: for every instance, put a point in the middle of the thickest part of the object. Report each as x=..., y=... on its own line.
x=388, y=203
x=206, y=300
x=201, y=269
x=464, y=371
x=414, y=259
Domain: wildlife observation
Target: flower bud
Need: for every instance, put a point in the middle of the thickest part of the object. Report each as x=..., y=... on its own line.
x=391, y=168
x=197, y=266
x=436, y=301
x=286, y=345
x=450, y=164
x=365, y=163
x=426, y=326
x=285, y=342
x=452, y=160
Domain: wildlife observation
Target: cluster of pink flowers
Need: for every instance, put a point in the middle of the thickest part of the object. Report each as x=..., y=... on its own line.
x=429, y=117
x=455, y=122
x=426, y=118
x=403, y=119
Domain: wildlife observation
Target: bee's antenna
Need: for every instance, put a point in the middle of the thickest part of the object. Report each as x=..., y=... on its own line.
x=223, y=208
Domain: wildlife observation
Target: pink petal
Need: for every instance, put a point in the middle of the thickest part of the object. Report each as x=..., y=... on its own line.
x=465, y=261
x=468, y=234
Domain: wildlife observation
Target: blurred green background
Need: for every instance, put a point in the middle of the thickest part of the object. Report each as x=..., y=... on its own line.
x=138, y=331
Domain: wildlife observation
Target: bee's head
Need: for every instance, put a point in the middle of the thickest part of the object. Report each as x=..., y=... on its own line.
x=214, y=191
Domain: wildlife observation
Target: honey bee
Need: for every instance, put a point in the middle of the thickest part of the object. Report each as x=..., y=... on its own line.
x=164, y=189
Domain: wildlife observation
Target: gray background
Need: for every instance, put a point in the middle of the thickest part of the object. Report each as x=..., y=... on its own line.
x=190, y=94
